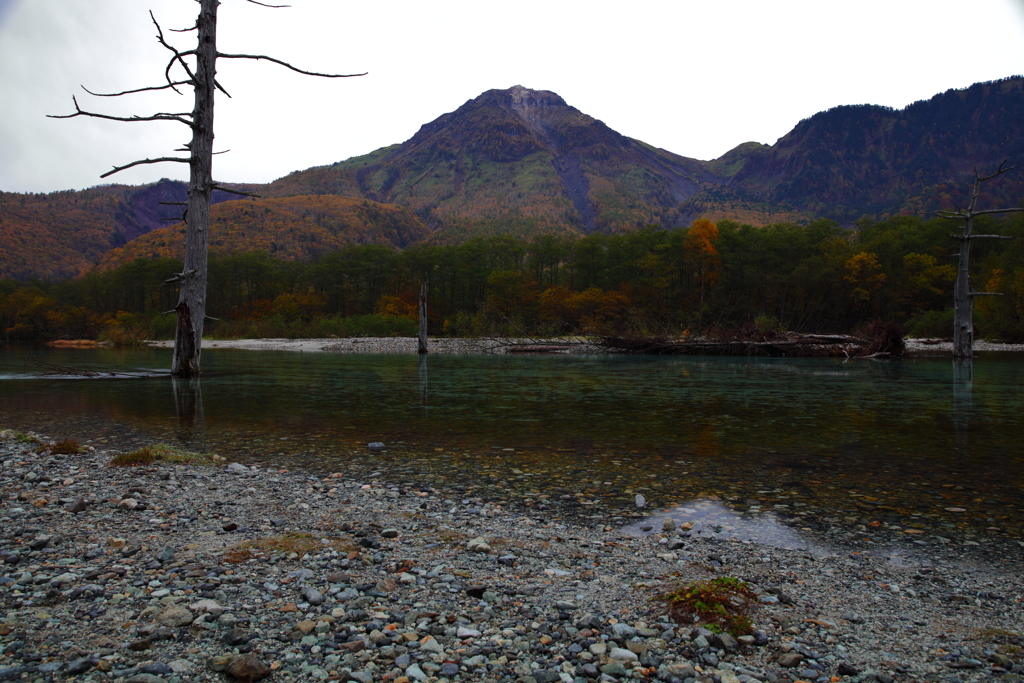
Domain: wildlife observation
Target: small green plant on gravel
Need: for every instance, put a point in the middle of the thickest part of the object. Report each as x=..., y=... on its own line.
x=721, y=604
x=163, y=453
x=25, y=438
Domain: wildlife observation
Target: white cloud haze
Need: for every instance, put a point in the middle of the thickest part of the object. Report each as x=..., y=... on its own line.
x=696, y=78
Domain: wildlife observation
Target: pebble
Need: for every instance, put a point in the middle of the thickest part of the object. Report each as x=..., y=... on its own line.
x=168, y=594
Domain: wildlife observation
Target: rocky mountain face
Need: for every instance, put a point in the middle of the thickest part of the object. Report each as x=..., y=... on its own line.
x=524, y=158
x=517, y=155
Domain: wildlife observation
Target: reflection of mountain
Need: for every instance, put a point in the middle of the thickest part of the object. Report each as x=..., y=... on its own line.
x=521, y=161
x=713, y=519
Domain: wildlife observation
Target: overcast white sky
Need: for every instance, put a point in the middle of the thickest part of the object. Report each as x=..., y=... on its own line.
x=694, y=77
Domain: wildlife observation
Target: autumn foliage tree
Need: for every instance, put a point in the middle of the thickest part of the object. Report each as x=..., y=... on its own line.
x=701, y=246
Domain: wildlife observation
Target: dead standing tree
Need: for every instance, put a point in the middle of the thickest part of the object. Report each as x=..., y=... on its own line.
x=200, y=68
x=422, y=337
x=963, y=297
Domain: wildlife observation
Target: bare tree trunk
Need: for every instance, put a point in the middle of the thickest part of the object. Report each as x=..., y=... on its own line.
x=963, y=297
x=963, y=302
x=191, y=308
x=423, y=318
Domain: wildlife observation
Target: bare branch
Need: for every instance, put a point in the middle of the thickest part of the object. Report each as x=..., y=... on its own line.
x=140, y=162
x=173, y=203
x=220, y=87
x=180, y=276
x=162, y=116
x=129, y=92
x=986, y=294
x=991, y=237
x=263, y=4
x=184, y=65
x=238, y=192
x=179, y=57
x=287, y=65
x=962, y=216
x=1013, y=210
x=195, y=27
x=224, y=152
x=999, y=171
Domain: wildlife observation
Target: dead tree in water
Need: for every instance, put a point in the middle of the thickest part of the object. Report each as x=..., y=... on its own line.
x=423, y=318
x=199, y=66
x=963, y=297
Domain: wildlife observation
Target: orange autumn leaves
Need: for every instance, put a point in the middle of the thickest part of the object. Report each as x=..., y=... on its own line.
x=702, y=252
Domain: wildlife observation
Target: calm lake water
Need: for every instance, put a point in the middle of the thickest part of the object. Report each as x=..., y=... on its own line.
x=819, y=441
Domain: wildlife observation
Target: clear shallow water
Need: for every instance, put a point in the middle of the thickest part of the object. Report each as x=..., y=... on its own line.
x=817, y=441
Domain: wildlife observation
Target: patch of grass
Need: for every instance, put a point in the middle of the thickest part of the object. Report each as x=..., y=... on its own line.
x=997, y=634
x=294, y=542
x=451, y=536
x=25, y=438
x=65, y=447
x=163, y=453
x=724, y=603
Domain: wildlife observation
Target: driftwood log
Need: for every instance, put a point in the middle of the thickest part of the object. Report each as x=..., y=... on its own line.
x=537, y=348
x=787, y=345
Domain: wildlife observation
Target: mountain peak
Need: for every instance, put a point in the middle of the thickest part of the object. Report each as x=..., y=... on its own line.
x=524, y=99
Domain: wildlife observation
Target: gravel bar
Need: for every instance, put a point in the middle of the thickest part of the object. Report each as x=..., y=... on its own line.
x=406, y=345
x=174, y=573
x=445, y=345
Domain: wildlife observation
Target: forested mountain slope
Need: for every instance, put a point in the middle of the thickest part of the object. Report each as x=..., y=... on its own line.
x=855, y=160
x=523, y=162
x=61, y=234
x=302, y=227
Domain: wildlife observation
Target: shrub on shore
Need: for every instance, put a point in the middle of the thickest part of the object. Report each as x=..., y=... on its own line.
x=295, y=543
x=64, y=447
x=163, y=453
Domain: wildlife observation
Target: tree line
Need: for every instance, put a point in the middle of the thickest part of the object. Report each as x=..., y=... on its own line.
x=818, y=277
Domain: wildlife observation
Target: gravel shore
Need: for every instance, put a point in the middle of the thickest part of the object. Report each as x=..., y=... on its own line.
x=174, y=573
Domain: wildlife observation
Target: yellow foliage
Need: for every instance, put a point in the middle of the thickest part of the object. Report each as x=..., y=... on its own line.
x=397, y=307
x=864, y=272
